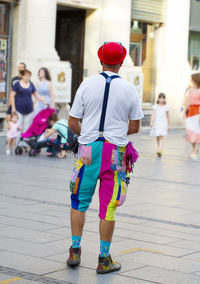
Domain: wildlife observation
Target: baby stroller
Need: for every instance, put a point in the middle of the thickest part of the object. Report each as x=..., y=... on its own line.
x=37, y=128
x=54, y=145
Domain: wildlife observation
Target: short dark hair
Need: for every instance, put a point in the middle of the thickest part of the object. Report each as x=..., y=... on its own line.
x=22, y=63
x=26, y=71
x=161, y=95
x=46, y=72
x=53, y=117
x=112, y=66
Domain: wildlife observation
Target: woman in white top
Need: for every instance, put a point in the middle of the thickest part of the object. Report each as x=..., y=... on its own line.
x=160, y=121
x=45, y=89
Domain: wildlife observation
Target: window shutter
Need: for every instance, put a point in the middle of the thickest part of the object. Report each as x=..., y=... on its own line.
x=151, y=11
x=194, y=16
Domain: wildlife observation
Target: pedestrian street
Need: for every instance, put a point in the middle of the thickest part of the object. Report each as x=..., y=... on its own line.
x=157, y=235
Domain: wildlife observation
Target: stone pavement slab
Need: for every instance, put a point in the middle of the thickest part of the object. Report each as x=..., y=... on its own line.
x=163, y=276
x=29, y=248
x=29, y=263
x=84, y=276
x=162, y=261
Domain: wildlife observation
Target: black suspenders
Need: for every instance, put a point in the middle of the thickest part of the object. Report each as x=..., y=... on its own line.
x=105, y=101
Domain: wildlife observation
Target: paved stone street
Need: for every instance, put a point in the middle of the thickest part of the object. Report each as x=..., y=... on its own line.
x=157, y=236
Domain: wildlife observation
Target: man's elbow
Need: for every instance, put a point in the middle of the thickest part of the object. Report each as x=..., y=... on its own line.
x=134, y=127
x=72, y=123
x=136, y=130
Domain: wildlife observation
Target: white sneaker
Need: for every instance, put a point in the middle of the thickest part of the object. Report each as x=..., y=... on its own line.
x=194, y=157
x=8, y=152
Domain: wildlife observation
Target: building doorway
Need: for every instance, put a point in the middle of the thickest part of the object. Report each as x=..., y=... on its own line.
x=70, y=34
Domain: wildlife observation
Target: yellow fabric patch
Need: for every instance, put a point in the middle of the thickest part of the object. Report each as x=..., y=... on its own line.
x=78, y=164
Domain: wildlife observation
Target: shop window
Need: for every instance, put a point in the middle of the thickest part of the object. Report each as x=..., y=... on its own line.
x=136, y=53
x=194, y=50
x=138, y=42
x=142, y=54
x=4, y=21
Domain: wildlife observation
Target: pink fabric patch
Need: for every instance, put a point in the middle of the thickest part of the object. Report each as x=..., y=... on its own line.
x=106, y=179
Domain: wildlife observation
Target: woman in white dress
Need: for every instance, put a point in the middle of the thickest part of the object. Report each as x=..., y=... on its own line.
x=160, y=121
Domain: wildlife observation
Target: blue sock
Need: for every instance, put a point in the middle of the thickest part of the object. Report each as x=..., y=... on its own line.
x=76, y=241
x=104, y=248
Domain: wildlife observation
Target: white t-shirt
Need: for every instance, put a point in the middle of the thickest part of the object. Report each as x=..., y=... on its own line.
x=123, y=105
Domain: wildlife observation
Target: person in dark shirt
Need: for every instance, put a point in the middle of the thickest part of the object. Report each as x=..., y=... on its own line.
x=21, y=99
x=20, y=67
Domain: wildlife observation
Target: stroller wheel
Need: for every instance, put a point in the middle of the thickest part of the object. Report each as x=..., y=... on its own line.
x=32, y=152
x=18, y=150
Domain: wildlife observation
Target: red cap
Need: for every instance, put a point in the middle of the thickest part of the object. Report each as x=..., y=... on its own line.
x=112, y=53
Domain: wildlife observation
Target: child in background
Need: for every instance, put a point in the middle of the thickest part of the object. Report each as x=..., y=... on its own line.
x=160, y=122
x=13, y=128
x=60, y=143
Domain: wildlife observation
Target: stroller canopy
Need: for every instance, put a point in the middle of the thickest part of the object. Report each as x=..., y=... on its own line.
x=40, y=123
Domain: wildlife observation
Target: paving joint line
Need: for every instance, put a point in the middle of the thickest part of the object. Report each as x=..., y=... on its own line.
x=164, y=181
x=47, y=280
x=32, y=276
x=168, y=222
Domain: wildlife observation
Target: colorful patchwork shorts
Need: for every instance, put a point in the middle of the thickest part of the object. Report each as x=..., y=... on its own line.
x=106, y=162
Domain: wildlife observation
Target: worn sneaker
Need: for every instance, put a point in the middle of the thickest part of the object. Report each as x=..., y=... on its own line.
x=106, y=265
x=159, y=154
x=74, y=256
x=8, y=152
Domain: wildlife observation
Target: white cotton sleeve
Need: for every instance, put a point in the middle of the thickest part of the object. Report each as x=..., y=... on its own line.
x=135, y=112
x=78, y=105
x=167, y=108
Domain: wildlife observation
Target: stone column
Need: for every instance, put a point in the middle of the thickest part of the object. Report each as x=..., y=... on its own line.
x=110, y=22
x=39, y=35
x=34, y=43
x=115, y=24
x=171, y=50
x=34, y=33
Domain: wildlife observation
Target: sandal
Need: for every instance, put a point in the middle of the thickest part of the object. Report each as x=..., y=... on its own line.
x=62, y=154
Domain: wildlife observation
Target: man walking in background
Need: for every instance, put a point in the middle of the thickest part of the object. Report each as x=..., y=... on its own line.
x=109, y=108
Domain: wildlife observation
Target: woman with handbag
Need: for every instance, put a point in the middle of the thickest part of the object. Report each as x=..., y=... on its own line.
x=192, y=115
